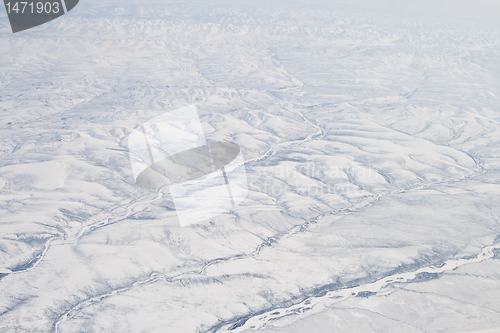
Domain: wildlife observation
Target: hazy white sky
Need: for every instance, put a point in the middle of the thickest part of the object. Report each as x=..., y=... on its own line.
x=465, y=9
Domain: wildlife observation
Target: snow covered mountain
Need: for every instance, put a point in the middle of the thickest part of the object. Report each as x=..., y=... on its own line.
x=371, y=138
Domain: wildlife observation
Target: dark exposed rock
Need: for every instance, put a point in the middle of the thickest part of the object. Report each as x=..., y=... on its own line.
x=366, y=294
x=425, y=276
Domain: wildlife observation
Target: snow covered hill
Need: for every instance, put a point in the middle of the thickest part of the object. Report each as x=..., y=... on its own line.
x=371, y=134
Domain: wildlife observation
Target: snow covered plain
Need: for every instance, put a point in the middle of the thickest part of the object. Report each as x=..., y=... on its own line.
x=371, y=132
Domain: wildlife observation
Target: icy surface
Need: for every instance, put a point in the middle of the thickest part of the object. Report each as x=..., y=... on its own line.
x=371, y=138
